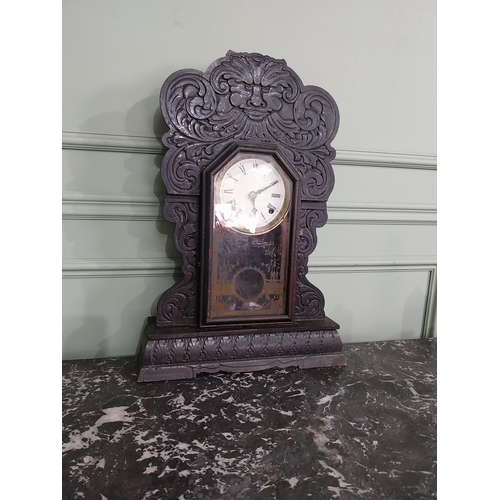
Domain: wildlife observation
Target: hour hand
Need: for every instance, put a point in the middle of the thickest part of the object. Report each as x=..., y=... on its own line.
x=252, y=195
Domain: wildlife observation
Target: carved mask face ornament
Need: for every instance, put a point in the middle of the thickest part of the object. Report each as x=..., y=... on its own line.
x=257, y=85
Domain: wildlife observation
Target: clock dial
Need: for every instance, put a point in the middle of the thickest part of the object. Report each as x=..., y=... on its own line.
x=252, y=195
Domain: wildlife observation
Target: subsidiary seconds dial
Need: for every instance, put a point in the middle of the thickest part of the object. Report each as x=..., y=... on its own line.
x=252, y=195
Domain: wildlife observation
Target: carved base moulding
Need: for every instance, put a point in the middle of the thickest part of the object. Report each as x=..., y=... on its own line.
x=184, y=352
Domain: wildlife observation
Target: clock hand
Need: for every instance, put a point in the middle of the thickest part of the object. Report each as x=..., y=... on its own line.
x=252, y=195
x=267, y=187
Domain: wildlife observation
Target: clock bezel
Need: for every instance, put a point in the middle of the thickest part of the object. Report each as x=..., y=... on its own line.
x=206, y=227
x=220, y=175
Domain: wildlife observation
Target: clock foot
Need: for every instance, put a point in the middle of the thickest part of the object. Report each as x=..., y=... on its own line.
x=183, y=352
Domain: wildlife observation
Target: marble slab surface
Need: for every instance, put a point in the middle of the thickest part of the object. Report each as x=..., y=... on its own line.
x=366, y=431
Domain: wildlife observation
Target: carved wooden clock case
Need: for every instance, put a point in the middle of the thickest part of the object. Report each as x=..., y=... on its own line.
x=247, y=176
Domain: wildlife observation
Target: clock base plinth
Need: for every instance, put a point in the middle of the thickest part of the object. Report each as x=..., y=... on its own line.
x=172, y=353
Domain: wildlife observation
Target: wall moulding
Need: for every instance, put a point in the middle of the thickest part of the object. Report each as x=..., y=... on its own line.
x=119, y=268
x=93, y=206
x=377, y=213
x=90, y=206
x=87, y=141
x=371, y=264
x=152, y=145
x=114, y=267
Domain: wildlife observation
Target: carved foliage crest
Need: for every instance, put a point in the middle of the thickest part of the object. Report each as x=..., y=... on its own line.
x=246, y=96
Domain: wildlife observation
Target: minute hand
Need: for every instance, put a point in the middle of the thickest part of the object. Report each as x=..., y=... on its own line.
x=267, y=187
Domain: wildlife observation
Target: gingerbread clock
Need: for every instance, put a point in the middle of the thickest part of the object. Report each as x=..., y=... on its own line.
x=247, y=175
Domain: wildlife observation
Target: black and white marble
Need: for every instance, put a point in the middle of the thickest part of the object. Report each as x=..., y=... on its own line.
x=366, y=431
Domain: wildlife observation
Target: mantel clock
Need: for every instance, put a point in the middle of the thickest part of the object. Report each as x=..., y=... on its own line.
x=247, y=174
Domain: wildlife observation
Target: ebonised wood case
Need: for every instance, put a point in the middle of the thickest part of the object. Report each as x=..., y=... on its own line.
x=253, y=104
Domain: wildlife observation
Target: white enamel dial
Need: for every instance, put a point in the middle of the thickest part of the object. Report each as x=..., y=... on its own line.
x=252, y=195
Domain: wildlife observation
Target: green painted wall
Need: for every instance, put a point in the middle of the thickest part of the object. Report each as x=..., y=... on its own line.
x=376, y=257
